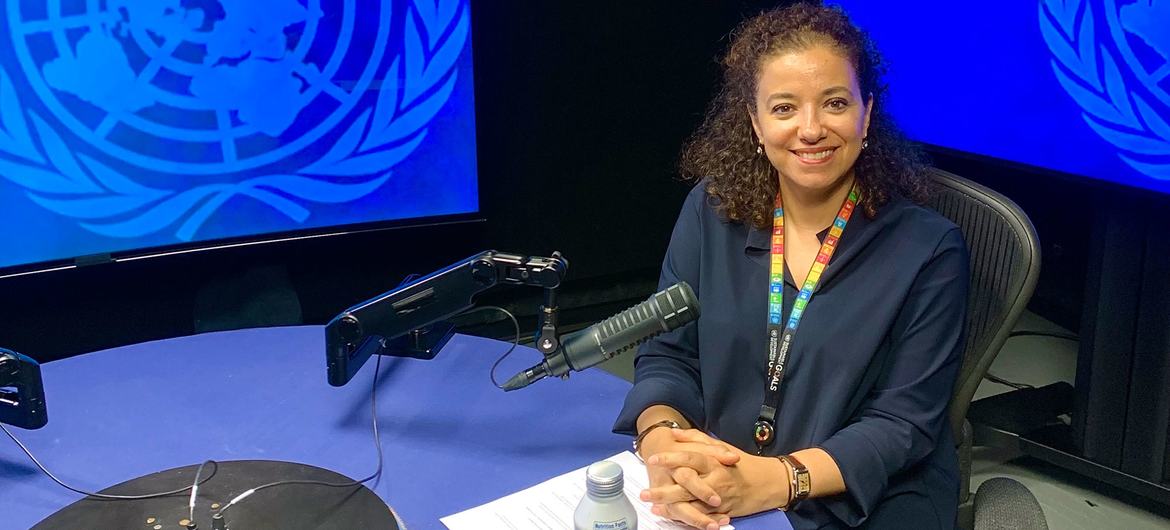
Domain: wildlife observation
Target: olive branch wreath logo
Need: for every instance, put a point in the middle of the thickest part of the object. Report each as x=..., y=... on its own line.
x=1099, y=87
x=418, y=83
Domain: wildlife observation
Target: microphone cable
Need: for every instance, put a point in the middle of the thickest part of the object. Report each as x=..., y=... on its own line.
x=215, y=467
x=377, y=472
x=515, y=341
x=377, y=444
x=377, y=437
x=195, y=492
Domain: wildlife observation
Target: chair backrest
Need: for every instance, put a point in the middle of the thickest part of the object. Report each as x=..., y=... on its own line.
x=1005, y=262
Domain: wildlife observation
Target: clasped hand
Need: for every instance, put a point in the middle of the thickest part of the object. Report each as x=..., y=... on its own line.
x=703, y=482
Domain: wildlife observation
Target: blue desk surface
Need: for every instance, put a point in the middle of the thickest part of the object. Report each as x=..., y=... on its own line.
x=452, y=441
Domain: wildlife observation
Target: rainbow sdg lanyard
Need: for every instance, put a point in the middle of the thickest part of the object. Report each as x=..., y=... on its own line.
x=780, y=336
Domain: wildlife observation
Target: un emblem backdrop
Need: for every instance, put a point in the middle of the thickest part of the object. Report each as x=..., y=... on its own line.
x=127, y=124
x=1113, y=59
x=1077, y=86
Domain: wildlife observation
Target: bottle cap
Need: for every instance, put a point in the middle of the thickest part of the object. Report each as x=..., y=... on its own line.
x=604, y=479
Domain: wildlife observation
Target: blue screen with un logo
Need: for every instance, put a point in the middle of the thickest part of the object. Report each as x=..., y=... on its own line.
x=132, y=124
x=1078, y=86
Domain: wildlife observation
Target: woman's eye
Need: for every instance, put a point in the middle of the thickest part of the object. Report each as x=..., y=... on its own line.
x=782, y=108
x=838, y=104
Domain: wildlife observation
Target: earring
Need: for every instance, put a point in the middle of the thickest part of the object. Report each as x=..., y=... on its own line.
x=865, y=142
x=760, y=149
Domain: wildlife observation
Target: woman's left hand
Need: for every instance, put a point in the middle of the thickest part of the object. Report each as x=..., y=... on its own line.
x=754, y=484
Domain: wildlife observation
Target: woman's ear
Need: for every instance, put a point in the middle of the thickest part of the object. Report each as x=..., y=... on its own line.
x=756, y=123
x=868, y=113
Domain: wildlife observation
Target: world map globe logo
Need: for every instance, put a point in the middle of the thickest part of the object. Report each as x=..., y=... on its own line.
x=285, y=102
x=197, y=87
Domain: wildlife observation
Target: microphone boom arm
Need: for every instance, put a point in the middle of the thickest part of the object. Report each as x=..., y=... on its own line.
x=408, y=321
x=22, y=394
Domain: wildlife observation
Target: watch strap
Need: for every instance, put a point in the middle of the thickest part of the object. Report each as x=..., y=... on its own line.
x=801, y=482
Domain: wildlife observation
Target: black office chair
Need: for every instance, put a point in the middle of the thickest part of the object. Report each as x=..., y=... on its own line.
x=1005, y=262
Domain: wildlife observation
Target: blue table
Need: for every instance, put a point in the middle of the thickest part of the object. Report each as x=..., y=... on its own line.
x=451, y=440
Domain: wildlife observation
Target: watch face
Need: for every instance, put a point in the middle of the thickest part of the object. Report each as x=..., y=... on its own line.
x=803, y=484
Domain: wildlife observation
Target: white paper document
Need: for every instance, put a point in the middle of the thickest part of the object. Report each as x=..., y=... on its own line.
x=550, y=504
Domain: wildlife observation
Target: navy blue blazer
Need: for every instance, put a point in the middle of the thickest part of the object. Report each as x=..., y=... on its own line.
x=870, y=372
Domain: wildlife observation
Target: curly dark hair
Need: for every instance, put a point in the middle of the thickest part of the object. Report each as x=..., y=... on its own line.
x=723, y=149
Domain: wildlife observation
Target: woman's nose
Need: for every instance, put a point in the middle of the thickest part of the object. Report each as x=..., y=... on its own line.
x=811, y=129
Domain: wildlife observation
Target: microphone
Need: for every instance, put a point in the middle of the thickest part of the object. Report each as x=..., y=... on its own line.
x=666, y=310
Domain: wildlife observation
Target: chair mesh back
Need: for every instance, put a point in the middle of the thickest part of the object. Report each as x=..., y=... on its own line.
x=1005, y=261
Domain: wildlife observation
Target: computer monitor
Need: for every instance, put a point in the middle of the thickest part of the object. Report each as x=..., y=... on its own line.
x=135, y=128
x=1078, y=87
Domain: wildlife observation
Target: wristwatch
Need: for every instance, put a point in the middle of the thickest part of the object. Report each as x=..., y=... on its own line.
x=801, y=483
x=664, y=423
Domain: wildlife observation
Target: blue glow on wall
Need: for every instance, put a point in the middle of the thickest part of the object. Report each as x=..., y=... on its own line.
x=1079, y=86
x=132, y=124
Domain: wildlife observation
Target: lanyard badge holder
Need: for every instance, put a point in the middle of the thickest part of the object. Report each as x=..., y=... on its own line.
x=781, y=333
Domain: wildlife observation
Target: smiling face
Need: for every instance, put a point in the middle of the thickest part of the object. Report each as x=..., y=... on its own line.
x=810, y=117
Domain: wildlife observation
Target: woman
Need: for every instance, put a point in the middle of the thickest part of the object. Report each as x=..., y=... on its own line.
x=835, y=411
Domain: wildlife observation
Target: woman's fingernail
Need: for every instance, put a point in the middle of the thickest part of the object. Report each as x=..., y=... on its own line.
x=644, y=495
x=725, y=520
x=653, y=460
x=714, y=500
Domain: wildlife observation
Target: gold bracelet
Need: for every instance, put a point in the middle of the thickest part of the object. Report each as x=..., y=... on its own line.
x=790, y=475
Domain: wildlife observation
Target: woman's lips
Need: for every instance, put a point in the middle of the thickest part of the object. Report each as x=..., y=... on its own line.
x=814, y=156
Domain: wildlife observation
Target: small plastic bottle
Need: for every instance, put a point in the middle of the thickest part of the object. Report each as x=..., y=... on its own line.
x=605, y=506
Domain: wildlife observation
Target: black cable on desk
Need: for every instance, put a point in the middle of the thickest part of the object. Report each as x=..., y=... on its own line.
x=215, y=467
x=349, y=484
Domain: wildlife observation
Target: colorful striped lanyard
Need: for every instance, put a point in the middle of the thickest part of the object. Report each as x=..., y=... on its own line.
x=780, y=335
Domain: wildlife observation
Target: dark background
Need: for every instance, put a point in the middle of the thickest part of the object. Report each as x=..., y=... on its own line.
x=581, y=112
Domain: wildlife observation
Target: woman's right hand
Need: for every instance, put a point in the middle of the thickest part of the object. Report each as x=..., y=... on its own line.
x=696, y=504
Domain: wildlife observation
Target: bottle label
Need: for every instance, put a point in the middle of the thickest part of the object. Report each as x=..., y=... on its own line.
x=620, y=524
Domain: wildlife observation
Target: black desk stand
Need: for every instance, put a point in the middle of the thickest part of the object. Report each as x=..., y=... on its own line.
x=1120, y=406
x=286, y=507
